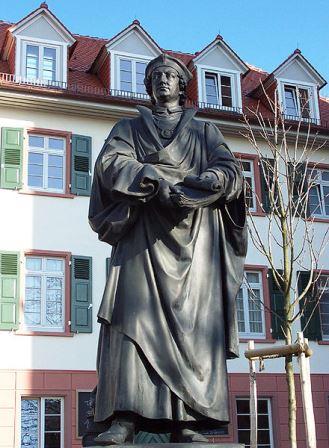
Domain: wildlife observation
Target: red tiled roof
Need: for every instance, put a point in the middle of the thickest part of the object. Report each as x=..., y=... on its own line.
x=3, y=32
x=85, y=52
x=83, y=78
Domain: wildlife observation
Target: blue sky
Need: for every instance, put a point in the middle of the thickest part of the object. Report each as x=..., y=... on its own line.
x=262, y=33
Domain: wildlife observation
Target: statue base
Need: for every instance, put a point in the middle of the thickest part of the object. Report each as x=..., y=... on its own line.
x=178, y=445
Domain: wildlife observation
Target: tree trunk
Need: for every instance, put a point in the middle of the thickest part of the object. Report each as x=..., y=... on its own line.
x=292, y=405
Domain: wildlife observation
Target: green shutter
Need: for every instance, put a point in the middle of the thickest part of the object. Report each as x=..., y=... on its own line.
x=81, y=298
x=11, y=158
x=81, y=165
x=310, y=319
x=9, y=290
x=300, y=186
x=266, y=179
x=277, y=306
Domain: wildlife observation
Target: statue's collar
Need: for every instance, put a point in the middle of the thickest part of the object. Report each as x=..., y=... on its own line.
x=159, y=110
x=147, y=118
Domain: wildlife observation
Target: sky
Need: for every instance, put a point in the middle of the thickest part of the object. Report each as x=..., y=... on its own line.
x=261, y=33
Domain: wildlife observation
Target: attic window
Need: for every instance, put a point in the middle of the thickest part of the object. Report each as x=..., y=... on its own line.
x=297, y=101
x=131, y=75
x=218, y=89
x=40, y=62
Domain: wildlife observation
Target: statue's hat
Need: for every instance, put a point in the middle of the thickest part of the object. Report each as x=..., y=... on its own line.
x=167, y=60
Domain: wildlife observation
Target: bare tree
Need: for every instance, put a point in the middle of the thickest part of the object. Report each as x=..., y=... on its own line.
x=288, y=151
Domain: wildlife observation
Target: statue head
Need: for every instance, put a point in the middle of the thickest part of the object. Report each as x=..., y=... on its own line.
x=166, y=79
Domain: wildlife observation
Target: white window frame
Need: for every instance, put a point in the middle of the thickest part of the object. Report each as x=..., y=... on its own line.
x=315, y=174
x=269, y=414
x=46, y=151
x=235, y=86
x=245, y=290
x=41, y=48
x=41, y=418
x=115, y=73
x=313, y=98
x=325, y=337
x=251, y=174
x=61, y=60
x=42, y=327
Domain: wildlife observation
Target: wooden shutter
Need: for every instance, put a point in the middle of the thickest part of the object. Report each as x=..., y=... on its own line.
x=9, y=290
x=310, y=319
x=266, y=178
x=277, y=306
x=81, y=297
x=11, y=158
x=81, y=165
x=300, y=186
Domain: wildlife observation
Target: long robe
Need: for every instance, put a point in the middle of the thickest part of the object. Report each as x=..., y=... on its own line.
x=169, y=303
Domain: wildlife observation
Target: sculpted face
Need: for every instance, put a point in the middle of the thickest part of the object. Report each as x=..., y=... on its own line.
x=165, y=84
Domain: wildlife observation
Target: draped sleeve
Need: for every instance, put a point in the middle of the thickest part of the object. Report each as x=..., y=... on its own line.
x=120, y=184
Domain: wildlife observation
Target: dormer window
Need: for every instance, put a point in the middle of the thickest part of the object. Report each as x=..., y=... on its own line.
x=131, y=75
x=40, y=63
x=218, y=89
x=297, y=102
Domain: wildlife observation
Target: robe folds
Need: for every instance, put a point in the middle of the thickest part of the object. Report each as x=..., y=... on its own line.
x=174, y=272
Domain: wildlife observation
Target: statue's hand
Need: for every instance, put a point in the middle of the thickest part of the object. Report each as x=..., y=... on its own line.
x=164, y=195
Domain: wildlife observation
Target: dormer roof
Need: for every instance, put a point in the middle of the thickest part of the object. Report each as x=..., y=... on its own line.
x=295, y=68
x=43, y=13
x=136, y=29
x=219, y=44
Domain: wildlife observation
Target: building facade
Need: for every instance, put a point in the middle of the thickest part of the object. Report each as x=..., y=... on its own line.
x=60, y=95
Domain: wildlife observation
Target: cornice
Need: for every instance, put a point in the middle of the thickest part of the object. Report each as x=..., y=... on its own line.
x=104, y=111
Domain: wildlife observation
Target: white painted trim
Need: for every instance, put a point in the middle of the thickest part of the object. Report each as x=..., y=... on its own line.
x=61, y=56
x=245, y=297
x=312, y=88
x=304, y=65
x=134, y=28
x=241, y=67
x=52, y=21
x=235, y=83
x=43, y=274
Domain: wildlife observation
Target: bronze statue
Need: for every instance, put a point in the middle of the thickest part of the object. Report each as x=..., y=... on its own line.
x=168, y=196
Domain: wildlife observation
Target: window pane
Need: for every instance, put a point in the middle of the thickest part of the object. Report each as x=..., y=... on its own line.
x=56, y=143
x=53, y=265
x=243, y=406
x=211, y=89
x=125, y=65
x=125, y=86
x=52, y=440
x=126, y=77
x=32, y=302
x=36, y=141
x=54, y=183
x=304, y=103
x=314, y=200
x=140, y=68
x=30, y=423
x=32, y=50
x=291, y=101
x=252, y=277
x=54, y=300
x=33, y=264
x=52, y=423
x=52, y=406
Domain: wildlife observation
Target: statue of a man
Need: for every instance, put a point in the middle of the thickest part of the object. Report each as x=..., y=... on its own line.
x=167, y=195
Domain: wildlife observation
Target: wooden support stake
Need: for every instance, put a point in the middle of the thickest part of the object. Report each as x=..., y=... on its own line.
x=253, y=399
x=305, y=382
